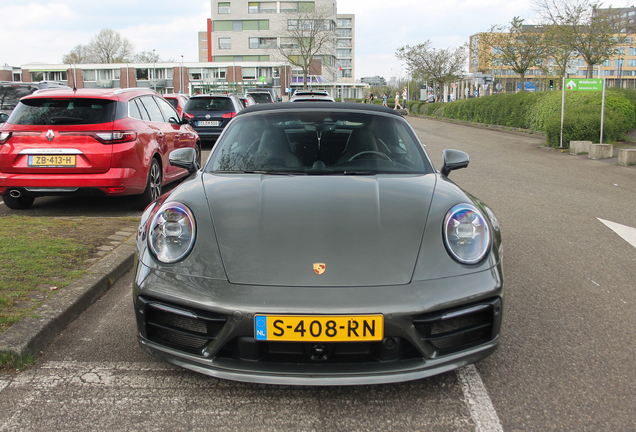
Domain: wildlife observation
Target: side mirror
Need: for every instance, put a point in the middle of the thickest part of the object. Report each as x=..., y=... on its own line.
x=453, y=160
x=186, y=118
x=184, y=158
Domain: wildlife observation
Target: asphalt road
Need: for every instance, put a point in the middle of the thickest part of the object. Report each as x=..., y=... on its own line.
x=565, y=363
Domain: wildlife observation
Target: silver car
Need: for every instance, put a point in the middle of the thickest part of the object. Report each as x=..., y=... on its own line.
x=319, y=246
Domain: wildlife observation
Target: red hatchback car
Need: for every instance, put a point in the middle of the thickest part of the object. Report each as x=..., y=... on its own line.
x=91, y=142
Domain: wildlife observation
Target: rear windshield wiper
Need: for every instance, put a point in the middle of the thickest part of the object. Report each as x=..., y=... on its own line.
x=63, y=119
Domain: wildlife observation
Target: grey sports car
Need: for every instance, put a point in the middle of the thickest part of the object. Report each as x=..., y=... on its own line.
x=319, y=246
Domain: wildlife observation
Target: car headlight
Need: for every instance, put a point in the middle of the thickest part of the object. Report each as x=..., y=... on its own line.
x=466, y=234
x=172, y=232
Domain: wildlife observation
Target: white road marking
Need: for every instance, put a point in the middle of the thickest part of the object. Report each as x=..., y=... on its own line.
x=625, y=232
x=481, y=408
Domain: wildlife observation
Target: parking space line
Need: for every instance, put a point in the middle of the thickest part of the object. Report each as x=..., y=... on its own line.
x=481, y=408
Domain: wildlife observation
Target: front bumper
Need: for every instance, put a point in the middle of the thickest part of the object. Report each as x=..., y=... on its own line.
x=229, y=350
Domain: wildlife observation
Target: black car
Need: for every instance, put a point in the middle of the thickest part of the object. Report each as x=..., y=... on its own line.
x=209, y=114
x=12, y=91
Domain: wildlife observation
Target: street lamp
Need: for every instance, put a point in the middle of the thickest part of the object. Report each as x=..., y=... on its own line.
x=154, y=69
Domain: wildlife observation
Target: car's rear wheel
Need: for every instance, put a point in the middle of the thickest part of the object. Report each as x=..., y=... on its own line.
x=19, y=203
x=197, y=149
x=153, y=186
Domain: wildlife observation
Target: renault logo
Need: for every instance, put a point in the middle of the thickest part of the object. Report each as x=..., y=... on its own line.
x=50, y=135
x=319, y=268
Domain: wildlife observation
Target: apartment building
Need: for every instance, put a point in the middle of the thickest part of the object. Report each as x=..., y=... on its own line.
x=240, y=31
x=618, y=71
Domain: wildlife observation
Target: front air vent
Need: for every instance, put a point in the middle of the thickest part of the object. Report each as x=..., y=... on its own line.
x=184, y=329
x=454, y=330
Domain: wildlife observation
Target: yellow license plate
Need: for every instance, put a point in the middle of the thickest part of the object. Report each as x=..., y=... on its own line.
x=52, y=161
x=319, y=328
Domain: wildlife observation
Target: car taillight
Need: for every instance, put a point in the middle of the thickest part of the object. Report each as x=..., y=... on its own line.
x=188, y=115
x=114, y=137
x=4, y=137
x=228, y=115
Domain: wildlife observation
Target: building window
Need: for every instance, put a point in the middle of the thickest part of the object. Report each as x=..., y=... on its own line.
x=90, y=75
x=256, y=43
x=292, y=7
x=261, y=7
x=619, y=63
x=225, y=43
x=142, y=74
x=344, y=22
x=249, y=73
x=343, y=32
x=343, y=53
x=343, y=43
x=237, y=26
x=224, y=8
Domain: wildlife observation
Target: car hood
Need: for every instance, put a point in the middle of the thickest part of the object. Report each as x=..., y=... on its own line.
x=274, y=230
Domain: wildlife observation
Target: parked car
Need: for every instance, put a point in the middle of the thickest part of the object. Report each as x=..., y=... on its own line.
x=209, y=114
x=311, y=95
x=177, y=100
x=263, y=95
x=91, y=142
x=319, y=246
x=247, y=100
x=12, y=91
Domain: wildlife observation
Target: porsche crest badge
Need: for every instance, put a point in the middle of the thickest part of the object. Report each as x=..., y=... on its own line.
x=319, y=268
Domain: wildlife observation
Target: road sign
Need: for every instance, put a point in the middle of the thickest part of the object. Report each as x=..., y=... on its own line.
x=584, y=84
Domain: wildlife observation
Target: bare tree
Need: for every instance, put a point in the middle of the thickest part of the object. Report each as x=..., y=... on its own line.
x=108, y=46
x=308, y=34
x=584, y=27
x=442, y=66
x=146, y=57
x=78, y=55
x=517, y=46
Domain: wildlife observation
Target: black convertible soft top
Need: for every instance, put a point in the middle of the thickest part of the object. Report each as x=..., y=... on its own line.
x=295, y=106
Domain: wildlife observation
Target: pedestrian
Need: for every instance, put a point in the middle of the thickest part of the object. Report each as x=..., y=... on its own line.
x=385, y=97
x=431, y=98
x=397, y=100
x=405, y=98
x=371, y=97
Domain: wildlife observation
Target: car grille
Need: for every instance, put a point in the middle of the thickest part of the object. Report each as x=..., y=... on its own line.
x=184, y=329
x=390, y=349
x=454, y=330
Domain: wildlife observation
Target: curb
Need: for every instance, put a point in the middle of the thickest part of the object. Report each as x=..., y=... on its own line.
x=33, y=333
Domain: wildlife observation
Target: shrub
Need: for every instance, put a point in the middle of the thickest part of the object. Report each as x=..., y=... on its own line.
x=584, y=124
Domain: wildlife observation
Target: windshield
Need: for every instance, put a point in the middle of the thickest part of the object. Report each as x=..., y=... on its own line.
x=209, y=104
x=69, y=111
x=261, y=97
x=10, y=95
x=322, y=143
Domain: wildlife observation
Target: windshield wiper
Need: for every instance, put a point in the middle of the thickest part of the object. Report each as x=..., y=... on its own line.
x=266, y=172
x=359, y=172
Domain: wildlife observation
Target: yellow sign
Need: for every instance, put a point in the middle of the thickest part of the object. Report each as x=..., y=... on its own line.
x=319, y=328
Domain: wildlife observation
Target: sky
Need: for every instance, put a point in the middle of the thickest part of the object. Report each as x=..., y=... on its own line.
x=44, y=30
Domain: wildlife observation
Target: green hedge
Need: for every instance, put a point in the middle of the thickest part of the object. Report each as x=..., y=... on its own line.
x=541, y=111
